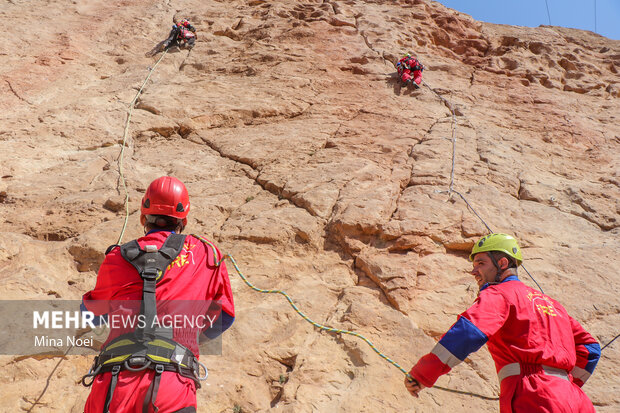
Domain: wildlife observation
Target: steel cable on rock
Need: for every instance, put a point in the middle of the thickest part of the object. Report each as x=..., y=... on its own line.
x=452, y=190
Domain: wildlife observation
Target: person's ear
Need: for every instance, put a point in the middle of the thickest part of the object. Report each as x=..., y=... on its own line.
x=503, y=263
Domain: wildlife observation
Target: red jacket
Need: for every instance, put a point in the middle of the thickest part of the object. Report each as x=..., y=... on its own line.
x=542, y=355
x=409, y=68
x=191, y=276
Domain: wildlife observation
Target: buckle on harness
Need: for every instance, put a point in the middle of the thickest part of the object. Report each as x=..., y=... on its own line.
x=116, y=369
x=142, y=360
x=197, y=371
x=94, y=370
x=159, y=368
x=150, y=274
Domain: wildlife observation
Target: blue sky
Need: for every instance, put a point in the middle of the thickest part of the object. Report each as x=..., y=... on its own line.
x=533, y=13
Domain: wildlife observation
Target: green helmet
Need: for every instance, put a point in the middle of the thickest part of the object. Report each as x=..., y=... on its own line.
x=498, y=242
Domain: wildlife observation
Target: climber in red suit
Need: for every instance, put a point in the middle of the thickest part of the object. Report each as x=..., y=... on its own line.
x=542, y=355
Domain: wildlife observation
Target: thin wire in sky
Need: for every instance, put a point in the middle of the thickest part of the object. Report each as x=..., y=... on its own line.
x=595, y=17
x=548, y=14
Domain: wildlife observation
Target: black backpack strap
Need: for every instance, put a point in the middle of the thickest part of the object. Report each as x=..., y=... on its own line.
x=151, y=263
x=110, y=248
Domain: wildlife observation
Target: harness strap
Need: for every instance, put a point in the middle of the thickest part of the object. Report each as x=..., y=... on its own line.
x=113, y=382
x=151, y=393
x=151, y=264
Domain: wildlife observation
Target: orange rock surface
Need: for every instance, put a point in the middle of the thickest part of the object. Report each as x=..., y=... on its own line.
x=307, y=162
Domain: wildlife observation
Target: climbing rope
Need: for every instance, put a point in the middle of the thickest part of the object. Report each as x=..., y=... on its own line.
x=120, y=163
x=548, y=14
x=297, y=310
x=49, y=378
x=321, y=326
x=612, y=340
x=122, y=179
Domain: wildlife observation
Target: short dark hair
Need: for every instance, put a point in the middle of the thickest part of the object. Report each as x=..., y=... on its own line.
x=498, y=255
x=163, y=222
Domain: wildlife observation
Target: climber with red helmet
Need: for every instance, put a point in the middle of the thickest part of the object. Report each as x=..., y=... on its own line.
x=153, y=366
x=182, y=34
x=542, y=355
x=410, y=70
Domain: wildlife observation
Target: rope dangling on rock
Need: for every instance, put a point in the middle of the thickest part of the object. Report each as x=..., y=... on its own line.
x=120, y=162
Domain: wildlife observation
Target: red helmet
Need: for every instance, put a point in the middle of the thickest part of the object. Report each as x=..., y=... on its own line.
x=165, y=196
x=184, y=23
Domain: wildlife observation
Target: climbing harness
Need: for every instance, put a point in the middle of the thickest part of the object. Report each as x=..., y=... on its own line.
x=148, y=347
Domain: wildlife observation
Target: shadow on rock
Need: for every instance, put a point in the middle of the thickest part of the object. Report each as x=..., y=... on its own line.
x=400, y=88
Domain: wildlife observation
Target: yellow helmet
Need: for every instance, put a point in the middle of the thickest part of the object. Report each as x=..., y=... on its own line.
x=498, y=242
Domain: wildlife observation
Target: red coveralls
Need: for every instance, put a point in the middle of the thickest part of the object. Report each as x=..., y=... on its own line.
x=191, y=276
x=542, y=355
x=405, y=70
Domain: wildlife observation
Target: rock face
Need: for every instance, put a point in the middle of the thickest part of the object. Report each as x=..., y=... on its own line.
x=307, y=162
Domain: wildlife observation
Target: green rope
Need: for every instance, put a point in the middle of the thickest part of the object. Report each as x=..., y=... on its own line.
x=321, y=326
x=297, y=310
x=120, y=164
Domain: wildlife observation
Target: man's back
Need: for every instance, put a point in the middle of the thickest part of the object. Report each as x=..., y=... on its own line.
x=191, y=283
x=536, y=329
x=192, y=276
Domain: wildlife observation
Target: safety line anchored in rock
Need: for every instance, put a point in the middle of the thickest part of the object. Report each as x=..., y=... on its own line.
x=452, y=190
x=125, y=133
x=451, y=187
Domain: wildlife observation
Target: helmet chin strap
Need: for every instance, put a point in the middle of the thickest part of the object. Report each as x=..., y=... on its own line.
x=498, y=275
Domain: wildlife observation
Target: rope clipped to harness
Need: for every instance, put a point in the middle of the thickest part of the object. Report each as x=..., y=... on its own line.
x=149, y=346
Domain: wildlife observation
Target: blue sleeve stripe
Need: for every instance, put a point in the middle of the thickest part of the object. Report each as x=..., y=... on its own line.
x=595, y=353
x=98, y=319
x=222, y=324
x=463, y=338
x=227, y=320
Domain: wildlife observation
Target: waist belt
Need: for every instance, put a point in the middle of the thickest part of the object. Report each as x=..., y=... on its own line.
x=514, y=369
x=128, y=352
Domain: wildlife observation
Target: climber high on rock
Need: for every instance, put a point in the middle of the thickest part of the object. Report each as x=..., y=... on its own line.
x=410, y=70
x=182, y=34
